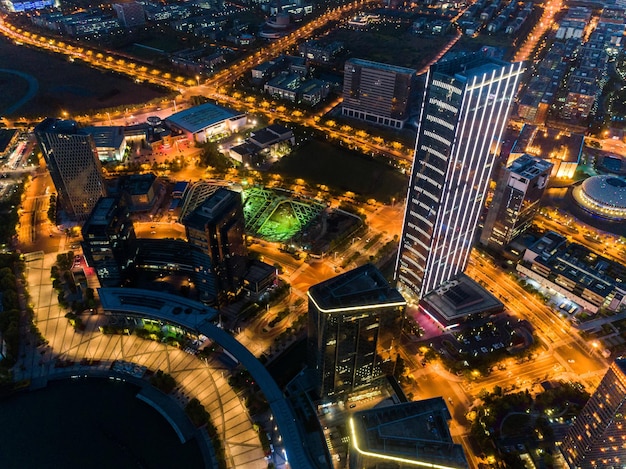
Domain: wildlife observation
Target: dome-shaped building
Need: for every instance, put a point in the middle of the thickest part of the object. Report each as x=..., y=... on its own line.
x=604, y=196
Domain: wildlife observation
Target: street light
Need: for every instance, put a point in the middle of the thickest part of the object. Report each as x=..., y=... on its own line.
x=198, y=79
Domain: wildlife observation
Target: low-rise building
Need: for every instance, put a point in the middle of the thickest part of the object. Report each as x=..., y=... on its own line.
x=110, y=142
x=404, y=436
x=562, y=148
x=579, y=274
x=200, y=123
x=317, y=51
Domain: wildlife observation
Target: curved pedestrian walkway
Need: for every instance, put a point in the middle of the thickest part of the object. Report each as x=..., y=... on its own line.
x=195, y=378
x=33, y=88
x=127, y=301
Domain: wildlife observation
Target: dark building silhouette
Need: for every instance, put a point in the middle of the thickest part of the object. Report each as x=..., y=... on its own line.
x=108, y=235
x=216, y=226
x=353, y=320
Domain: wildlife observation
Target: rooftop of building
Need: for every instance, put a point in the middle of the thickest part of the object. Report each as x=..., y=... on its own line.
x=279, y=129
x=416, y=432
x=101, y=213
x=286, y=81
x=212, y=208
x=465, y=65
x=583, y=266
x=200, y=117
x=460, y=298
x=259, y=271
x=264, y=136
x=606, y=190
x=362, y=287
x=53, y=125
x=548, y=244
x=529, y=166
x=381, y=66
x=547, y=142
x=106, y=137
x=137, y=184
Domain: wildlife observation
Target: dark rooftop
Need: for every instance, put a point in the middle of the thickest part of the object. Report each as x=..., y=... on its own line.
x=415, y=431
x=212, y=208
x=459, y=298
x=363, y=286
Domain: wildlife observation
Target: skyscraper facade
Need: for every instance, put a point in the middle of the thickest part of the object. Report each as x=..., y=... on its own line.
x=597, y=439
x=466, y=105
x=216, y=226
x=72, y=159
x=352, y=322
x=376, y=92
x=515, y=201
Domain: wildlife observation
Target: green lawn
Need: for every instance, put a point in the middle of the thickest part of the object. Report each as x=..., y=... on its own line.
x=343, y=170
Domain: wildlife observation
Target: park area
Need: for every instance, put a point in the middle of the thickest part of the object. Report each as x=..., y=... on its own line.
x=341, y=169
x=62, y=86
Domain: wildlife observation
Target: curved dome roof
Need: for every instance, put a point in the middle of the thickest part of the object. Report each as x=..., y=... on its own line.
x=606, y=190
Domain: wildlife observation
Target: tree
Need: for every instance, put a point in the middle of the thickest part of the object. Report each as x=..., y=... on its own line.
x=211, y=156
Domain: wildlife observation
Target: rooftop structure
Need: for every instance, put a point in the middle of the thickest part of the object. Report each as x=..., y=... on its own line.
x=352, y=318
x=458, y=300
x=404, y=436
x=139, y=191
x=604, y=196
x=203, y=121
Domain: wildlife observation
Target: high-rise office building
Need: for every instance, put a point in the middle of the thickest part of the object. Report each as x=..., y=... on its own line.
x=72, y=159
x=376, y=92
x=353, y=320
x=466, y=104
x=515, y=201
x=216, y=226
x=597, y=439
x=108, y=235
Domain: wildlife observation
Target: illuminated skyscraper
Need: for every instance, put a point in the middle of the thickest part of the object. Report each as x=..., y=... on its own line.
x=72, y=159
x=597, y=439
x=515, y=201
x=466, y=105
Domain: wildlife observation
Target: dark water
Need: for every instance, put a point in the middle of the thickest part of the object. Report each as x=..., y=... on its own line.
x=91, y=423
